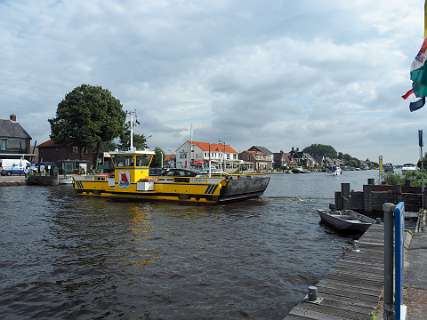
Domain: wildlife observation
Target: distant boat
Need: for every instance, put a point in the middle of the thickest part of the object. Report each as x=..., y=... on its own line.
x=299, y=170
x=346, y=221
x=409, y=167
x=334, y=171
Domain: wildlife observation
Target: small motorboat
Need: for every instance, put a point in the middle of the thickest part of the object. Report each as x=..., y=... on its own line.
x=346, y=221
x=299, y=170
x=334, y=171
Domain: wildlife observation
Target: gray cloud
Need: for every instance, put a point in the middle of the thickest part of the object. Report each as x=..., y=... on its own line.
x=283, y=74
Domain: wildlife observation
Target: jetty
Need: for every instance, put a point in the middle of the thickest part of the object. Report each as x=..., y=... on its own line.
x=353, y=289
x=370, y=200
x=7, y=181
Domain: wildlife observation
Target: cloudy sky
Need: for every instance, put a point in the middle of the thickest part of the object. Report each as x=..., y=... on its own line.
x=272, y=73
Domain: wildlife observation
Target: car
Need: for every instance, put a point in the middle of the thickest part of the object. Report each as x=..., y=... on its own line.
x=156, y=172
x=180, y=173
x=11, y=167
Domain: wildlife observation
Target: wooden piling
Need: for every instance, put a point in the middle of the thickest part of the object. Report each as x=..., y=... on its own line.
x=345, y=194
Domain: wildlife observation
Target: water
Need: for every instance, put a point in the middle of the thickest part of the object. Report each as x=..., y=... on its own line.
x=63, y=256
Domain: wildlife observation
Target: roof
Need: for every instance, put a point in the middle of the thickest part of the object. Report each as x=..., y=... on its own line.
x=262, y=149
x=47, y=144
x=12, y=129
x=218, y=147
x=131, y=152
x=169, y=157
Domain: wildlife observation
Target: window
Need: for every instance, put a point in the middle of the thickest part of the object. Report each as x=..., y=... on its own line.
x=2, y=144
x=15, y=144
x=123, y=161
x=143, y=160
x=75, y=149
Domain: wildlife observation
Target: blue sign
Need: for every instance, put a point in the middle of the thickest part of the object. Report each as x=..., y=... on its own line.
x=399, y=241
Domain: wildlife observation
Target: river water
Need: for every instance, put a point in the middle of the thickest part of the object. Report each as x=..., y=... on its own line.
x=63, y=256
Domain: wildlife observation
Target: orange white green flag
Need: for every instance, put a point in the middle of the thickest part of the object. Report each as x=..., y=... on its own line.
x=419, y=72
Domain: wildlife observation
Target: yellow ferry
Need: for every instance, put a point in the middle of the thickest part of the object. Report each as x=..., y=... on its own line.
x=132, y=180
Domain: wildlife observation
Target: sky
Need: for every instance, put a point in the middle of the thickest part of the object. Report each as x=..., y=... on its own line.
x=279, y=74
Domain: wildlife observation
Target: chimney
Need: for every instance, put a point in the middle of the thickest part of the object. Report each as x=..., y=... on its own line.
x=12, y=117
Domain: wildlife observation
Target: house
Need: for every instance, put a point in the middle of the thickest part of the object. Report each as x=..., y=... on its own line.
x=281, y=160
x=302, y=159
x=261, y=157
x=15, y=142
x=196, y=155
x=66, y=157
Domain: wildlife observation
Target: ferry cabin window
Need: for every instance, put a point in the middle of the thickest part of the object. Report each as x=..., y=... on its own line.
x=123, y=161
x=143, y=160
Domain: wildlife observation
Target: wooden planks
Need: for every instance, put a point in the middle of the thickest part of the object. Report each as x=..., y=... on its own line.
x=353, y=288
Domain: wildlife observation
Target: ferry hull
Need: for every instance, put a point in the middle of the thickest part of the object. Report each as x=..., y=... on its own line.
x=191, y=190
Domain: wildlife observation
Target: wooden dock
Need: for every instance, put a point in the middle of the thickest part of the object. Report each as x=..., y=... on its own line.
x=8, y=181
x=352, y=290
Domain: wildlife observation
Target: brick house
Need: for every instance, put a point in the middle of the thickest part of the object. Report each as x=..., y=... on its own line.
x=261, y=157
x=15, y=142
x=281, y=160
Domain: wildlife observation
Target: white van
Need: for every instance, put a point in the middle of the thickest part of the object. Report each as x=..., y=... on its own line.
x=10, y=167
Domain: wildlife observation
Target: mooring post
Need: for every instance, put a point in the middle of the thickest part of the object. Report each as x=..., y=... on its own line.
x=388, y=260
x=345, y=194
x=312, y=293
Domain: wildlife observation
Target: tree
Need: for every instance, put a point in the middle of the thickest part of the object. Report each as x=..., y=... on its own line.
x=318, y=151
x=87, y=117
x=158, y=158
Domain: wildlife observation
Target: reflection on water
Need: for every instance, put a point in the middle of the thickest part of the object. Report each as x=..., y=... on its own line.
x=70, y=257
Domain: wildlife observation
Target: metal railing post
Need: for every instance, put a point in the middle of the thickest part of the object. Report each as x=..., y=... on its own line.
x=388, y=209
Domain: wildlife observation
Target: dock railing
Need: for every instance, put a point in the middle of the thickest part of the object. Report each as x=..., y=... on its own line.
x=394, y=218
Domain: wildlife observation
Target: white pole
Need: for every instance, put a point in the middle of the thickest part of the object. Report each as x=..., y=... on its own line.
x=131, y=131
x=161, y=164
x=191, y=146
x=210, y=163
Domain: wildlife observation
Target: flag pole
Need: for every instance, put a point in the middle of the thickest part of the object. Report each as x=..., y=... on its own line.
x=425, y=19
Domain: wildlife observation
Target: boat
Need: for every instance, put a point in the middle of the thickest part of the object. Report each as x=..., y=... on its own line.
x=298, y=170
x=132, y=180
x=334, y=171
x=345, y=221
x=409, y=167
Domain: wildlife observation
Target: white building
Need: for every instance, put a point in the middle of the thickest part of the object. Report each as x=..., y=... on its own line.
x=197, y=157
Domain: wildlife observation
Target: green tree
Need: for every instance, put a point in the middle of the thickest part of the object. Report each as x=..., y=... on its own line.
x=318, y=151
x=87, y=117
x=157, y=159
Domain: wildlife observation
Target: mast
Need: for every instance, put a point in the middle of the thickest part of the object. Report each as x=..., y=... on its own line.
x=131, y=131
x=132, y=121
x=190, y=158
x=210, y=166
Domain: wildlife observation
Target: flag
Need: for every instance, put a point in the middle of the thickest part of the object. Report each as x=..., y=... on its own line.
x=419, y=72
x=413, y=106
